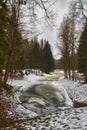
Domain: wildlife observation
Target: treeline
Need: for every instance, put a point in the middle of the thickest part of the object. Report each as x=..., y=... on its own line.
x=36, y=55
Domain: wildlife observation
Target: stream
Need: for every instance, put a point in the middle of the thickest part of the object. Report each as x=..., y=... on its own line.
x=45, y=98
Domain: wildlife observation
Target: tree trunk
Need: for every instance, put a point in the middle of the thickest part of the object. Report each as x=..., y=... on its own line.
x=86, y=72
x=65, y=73
x=69, y=74
x=6, y=73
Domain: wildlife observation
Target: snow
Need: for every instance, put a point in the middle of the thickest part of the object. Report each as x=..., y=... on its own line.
x=66, y=118
x=75, y=90
x=26, y=82
x=71, y=119
x=24, y=112
x=20, y=86
x=32, y=99
x=70, y=89
x=58, y=85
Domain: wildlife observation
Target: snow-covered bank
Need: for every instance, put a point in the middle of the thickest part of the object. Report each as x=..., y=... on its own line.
x=26, y=82
x=75, y=90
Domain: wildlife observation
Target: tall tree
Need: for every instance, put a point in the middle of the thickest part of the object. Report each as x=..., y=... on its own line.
x=82, y=52
x=65, y=45
x=49, y=64
x=41, y=55
x=68, y=42
x=36, y=54
x=4, y=22
x=23, y=55
x=14, y=39
x=73, y=37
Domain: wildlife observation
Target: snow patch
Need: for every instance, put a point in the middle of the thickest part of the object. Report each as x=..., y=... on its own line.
x=35, y=99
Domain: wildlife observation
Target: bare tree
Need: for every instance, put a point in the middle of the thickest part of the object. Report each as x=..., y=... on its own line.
x=82, y=7
x=68, y=42
x=72, y=38
x=65, y=46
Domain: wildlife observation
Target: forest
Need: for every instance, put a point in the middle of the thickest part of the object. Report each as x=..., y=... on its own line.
x=29, y=61
x=71, y=43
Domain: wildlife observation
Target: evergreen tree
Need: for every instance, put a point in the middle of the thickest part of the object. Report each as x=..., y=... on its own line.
x=36, y=54
x=23, y=55
x=31, y=59
x=4, y=46
x=41, y=55
x=82, y=52
x=49, y=64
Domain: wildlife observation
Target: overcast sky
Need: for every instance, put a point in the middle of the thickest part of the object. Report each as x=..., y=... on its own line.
x=51, y=33
x=61, y=8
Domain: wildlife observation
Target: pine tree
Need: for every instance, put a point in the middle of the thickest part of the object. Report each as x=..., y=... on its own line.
x=36, y=54
x=49, y=64
x=41, y=55
x=82, y=52
x=23, y=55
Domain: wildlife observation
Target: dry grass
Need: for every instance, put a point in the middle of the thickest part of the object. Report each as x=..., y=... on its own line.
x=54, y=77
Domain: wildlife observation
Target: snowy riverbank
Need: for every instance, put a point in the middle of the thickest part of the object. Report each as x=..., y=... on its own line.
x=73, y=118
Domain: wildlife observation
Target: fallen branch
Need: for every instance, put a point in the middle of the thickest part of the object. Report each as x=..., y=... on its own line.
x=78, y=104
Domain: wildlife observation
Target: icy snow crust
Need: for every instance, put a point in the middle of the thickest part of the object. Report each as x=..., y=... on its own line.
x=73, y=118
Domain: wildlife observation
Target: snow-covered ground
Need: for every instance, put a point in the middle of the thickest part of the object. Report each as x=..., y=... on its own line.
x=73, y=118
x=75, y=90
x=26, y=82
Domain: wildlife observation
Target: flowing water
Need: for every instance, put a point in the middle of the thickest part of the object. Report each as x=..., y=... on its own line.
x=44, y=98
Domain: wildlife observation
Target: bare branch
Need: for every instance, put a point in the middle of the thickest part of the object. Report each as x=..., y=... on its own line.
x=44, y=9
